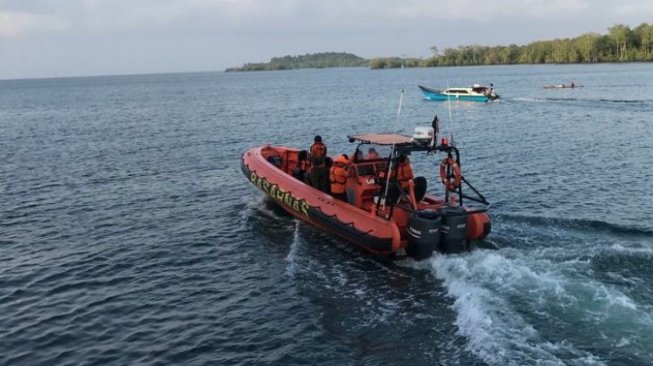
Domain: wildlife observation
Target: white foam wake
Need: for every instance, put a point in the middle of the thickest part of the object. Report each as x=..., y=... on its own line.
x=527, y=99
x=493, y=297
x=645, y=251
x=292, y=253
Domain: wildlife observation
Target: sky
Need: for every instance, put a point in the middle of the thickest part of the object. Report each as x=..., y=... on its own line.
x=56, y=38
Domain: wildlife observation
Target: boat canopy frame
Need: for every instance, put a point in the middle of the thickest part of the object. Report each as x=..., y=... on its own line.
x=405, y=145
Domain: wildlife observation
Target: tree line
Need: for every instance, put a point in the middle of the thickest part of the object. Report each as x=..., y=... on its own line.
x=620, y=44
x=316, y=61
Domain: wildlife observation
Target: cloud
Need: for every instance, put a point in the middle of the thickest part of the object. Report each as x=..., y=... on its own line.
x=210, y=34
x=631, y=9
x=114, y=16
x=21, y=17
x=388, y=12
x=487, y=10
x=14, y=24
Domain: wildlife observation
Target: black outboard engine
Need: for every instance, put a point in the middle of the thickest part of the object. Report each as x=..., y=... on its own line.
x=454, y=229
x=423, y=233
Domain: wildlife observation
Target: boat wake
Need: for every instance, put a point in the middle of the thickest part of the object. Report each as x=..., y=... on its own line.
x=505, y=305
x=527, y=99
x=642, y=104
x=580, y=224
x=292, y=253
x=258, y=207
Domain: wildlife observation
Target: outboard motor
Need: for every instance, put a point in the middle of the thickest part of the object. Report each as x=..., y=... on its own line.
x=454, y=229
x=423, y=233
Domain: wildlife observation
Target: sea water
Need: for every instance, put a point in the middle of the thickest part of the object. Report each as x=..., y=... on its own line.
x=130, y=236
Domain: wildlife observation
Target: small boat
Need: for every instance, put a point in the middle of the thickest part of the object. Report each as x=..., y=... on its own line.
x=377, y=214
x=476, y=93
x=562, y=86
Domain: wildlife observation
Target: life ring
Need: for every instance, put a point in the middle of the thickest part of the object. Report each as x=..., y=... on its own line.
x=451, y=182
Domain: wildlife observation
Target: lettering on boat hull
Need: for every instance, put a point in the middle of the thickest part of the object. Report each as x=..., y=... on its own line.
x=286, y=199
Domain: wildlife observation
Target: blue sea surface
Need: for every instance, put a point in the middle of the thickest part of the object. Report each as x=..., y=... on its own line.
x=128, y=234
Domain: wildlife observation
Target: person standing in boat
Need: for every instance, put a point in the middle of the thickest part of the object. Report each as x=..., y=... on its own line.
x=436, y=129
x=338, y=177
x=319, y=174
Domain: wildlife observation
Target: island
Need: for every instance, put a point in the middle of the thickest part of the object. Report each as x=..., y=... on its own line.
x=620, y=44
x=312, y=61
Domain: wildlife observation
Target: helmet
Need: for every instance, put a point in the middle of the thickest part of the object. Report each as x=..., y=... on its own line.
x=341, y=159
x=317, y=138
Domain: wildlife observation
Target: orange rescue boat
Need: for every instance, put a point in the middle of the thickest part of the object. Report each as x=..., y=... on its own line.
x=379, y=215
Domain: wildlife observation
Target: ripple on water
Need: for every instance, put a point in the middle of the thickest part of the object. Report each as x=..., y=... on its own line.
x=130, y=236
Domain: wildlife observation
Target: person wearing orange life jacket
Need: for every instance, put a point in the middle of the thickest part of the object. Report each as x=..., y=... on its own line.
x=404, y=172
x=319, y=177
x=338, y=177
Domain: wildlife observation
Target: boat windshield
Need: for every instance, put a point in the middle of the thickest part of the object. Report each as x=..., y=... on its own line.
x=457, y=91
x=369, y=152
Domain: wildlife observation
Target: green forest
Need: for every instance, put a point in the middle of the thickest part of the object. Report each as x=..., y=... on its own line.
x=313, y=61
x=620, y=44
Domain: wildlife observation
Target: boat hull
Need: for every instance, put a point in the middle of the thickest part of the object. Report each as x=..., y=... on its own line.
x=306, y=203
x=444, y=97
x=379, y=230
x=441, y=95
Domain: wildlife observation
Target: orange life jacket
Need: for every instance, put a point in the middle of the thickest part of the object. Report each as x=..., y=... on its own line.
x=318, y=153
x=338, y=178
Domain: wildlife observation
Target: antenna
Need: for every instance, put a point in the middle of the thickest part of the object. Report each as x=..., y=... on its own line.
x=392, y=151
x=450, y=116
x=401, y=99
